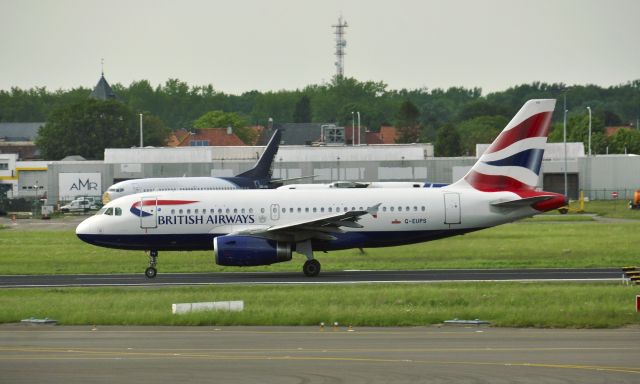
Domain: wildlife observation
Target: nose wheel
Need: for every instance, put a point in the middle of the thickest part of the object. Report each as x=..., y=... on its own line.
x=151, y=271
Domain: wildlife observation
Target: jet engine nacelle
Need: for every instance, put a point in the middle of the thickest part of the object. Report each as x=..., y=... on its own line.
x=246, y=251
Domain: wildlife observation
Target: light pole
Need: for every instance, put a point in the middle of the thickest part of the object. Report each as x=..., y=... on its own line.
x=564, y=139
x=353, y=128
x=141, y=130
x=589, y=109
x=358, y=127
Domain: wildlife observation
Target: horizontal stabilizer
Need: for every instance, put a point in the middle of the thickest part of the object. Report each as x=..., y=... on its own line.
x=524, y=202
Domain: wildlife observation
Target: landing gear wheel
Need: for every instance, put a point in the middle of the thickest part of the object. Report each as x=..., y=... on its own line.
x=311, y=268
x=150, y=272
x=153, y=260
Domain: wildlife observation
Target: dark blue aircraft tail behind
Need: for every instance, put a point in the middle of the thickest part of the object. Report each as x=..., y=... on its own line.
x=262, y=171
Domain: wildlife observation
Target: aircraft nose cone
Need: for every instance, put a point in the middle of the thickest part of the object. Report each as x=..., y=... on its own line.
x=86, y=229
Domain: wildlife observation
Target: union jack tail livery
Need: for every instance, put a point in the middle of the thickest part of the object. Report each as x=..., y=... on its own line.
x=512, y=162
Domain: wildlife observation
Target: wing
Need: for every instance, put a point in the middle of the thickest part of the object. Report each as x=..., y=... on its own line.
x=320, y=228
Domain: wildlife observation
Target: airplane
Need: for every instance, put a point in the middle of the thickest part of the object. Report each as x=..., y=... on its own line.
x=257, y=177
x=366, y=184
x=266, y=226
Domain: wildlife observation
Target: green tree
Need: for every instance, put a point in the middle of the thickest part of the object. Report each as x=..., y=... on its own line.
x=302, y=113
x=448, y=141
x=625, y=140
x=480, y=107
x=155, y=132
x=88, y=127
x=220, y=119
x=407, y=123
x=479, y=130
x=578, y=131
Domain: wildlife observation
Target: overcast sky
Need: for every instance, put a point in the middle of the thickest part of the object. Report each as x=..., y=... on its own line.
x=241, y=45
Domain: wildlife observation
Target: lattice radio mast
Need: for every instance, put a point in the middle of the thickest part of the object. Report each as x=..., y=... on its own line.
x=341, y=43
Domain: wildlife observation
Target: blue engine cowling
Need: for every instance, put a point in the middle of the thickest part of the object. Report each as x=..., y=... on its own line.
x=246, y=251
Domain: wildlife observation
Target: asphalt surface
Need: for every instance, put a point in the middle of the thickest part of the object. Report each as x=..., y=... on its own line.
x=37, y=354
x=343, y=277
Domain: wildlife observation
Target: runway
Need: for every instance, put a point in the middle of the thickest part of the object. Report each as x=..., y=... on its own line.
x=306, y=355
x=330, y=277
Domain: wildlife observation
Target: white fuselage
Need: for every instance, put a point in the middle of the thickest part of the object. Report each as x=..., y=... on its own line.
x=191, y=219
x=162, y=184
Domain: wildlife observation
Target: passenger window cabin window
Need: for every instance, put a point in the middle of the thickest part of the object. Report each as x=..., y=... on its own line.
x=314, y=209
x=261, y=210
x=330, y=209
x=250, y=210
x=423, y=208
x=384, y=209
x=391, y=209
x=180, y=211
x=306, y=209
x=228, y=210
x=291, y=210
x=173, y=211
x=322, y=209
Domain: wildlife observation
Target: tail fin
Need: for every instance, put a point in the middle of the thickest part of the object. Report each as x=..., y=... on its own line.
x=262, y=170
x=512, y=162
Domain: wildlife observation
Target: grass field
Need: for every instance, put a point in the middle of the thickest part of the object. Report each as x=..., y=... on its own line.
x=526, y=244
x=603, y=305
x=608, y=208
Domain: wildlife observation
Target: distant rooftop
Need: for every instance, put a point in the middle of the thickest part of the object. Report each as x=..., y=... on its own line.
x=19, y=131
x=103, y=90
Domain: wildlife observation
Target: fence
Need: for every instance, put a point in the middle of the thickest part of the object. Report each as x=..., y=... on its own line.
x=609, y=194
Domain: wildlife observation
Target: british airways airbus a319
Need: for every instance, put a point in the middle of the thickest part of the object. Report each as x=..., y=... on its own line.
x=261, y=227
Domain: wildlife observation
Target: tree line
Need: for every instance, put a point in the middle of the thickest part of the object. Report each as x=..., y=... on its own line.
x=455, y=119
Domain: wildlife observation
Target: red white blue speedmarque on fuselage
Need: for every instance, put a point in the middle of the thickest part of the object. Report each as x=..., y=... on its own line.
x=265, y=226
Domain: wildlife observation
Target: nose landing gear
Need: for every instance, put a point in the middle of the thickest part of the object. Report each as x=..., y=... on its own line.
x=151, y=272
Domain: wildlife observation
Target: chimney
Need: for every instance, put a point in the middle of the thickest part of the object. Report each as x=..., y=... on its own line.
x=229, y=130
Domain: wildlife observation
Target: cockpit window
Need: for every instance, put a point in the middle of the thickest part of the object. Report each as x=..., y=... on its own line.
x=109, y=211
x=101, y=211
x=118, y=211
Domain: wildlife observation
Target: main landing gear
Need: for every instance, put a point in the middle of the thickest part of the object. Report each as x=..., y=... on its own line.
x=153, y=260
x=311, y=268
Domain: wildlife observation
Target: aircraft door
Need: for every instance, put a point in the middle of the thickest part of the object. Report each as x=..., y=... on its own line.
x=148, y=212
x=275, y=212
x=452, y=208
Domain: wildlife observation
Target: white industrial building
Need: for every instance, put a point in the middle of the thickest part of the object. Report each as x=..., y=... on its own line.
x=61, y=181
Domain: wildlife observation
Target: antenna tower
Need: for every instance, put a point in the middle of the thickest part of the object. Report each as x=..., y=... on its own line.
x=341, y=43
